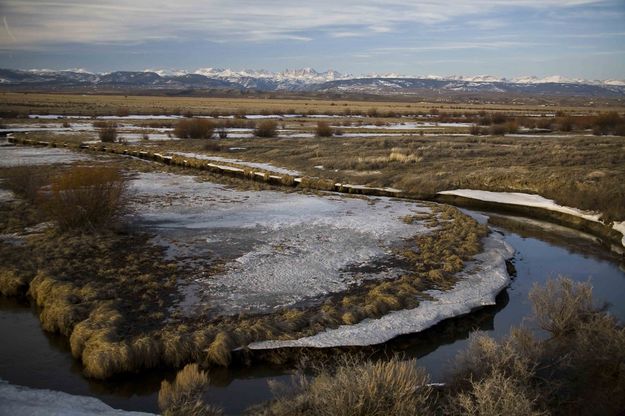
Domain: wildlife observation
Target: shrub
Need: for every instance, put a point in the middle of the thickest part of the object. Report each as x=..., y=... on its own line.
x=108, y=133
x=498, y=129
x=324, y=129
x=122, y=112
x=562, y=305
x=608, y=123
x=495, y=395
x=353, y=388
x=266, y=128
x=184, y=395
x=475, y=130
x=86, y=197
x=26, y=181
x=196, y=128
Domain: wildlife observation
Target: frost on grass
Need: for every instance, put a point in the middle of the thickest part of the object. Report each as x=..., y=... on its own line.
x=18, y=400
x=478, y=286
x=275, y=249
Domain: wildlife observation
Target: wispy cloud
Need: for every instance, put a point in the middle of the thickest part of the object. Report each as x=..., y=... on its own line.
x=75, y=21
x=8, y=29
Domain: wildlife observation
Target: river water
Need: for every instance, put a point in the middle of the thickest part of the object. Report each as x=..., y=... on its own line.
x=30, y=357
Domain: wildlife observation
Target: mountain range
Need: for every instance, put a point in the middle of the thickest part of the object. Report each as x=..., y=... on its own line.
x=304, y=80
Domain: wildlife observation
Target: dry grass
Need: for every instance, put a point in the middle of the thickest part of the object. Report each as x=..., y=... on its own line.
x=107, y=133
x=577, y=171
x=195, y=128
x=220, y=349
x=562, y=305
x=355, y=388
x=266, y=128
x=12, y=282
x=183, y=397
x=86, y=198
x=492, y=396
x=26, y=181
x=14, y=104
x=579, y=371
x=323, y=129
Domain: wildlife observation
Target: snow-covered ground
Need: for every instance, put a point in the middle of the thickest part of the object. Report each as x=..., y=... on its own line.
x=478, y=286
x=6, y=196
x=277, y=248
x=406, y=126
x=25, y=401
x=26, y=156
x=532, y=200
x=265, y=166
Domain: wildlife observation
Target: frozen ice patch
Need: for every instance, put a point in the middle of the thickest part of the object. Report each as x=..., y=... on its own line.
x=478, y=286
x=28, y=156
x=265, y=166
x=277, y=249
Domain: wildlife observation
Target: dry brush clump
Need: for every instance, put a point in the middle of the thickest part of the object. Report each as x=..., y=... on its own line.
x=356, y=388
x=86, y=197
x=266, y=128
x=183, y=396
x=324, y=129
x=579, y=371
x=26, y=181
x=107, y=132
x=194, y=128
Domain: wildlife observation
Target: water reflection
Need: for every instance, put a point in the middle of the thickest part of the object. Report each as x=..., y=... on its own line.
x=37, y=359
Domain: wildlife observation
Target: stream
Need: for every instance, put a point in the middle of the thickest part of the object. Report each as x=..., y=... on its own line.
x=31, y=357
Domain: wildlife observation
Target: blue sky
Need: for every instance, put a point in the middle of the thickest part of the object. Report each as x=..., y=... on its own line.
x=573, y=38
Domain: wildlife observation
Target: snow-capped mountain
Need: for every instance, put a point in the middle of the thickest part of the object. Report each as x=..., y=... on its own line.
x=302, y=76
x=307, y=80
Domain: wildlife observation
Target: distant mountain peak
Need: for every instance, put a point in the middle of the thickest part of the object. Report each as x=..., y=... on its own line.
x=308, y=79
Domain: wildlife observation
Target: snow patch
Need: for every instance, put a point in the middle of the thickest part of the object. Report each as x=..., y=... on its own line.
x=483, y=279
x=277, y=249
x=532, y=200
x=258, y=165
x=30, y=156
x=22, y=401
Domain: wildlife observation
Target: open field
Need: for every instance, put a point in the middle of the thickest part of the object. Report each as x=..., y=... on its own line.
x=90, y=105
x=572, y=155
x=236, y=242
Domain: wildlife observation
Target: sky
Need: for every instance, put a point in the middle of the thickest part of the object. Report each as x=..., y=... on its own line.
x=505, y=38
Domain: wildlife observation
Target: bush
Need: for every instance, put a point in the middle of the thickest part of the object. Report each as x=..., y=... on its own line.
x=498, y=129
x=495, y=395
x=266, y=128
x=26, y=181
x=184, y=395
x=122, y=112
x=523, y=374
x=108, y=133
x=353, y=388
x=196, y=128
x=562, y=305
x=324, y=129
x=87, y=198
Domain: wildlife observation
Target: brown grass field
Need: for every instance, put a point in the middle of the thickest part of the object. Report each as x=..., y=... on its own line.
x=93, y=104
